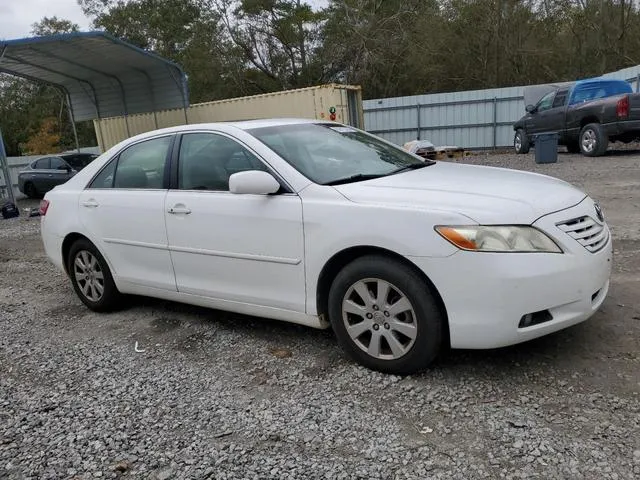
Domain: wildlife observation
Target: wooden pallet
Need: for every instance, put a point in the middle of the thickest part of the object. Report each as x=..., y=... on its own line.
x=449, y=152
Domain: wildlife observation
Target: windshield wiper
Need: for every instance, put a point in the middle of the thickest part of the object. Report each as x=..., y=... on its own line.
x=413, y=166
x=354, y=178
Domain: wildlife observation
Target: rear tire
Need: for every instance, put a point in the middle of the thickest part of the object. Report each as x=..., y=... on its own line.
x=30, y=190
x=91, y=277
x=398, y=328
x=593, y=141
x=521, y=143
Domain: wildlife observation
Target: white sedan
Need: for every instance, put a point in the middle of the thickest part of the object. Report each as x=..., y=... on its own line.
x=324, y=225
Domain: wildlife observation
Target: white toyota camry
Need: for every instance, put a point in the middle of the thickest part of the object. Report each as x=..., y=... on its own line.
x=324, y=225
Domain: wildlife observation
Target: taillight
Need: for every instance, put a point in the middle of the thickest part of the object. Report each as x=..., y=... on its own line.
x=622, y=107
x=44, y=206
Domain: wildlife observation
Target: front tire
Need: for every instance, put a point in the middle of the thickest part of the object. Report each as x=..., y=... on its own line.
x=91, y=277
x=385, y=315
x=521, y=143
x=573, y=147
x=593, y=141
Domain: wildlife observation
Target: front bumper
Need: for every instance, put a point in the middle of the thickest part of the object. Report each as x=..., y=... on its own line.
x=487, y=294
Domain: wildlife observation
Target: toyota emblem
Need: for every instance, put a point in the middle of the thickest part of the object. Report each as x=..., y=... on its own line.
x=599, y=213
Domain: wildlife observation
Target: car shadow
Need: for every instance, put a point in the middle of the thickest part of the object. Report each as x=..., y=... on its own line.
x=175, y=313
x=609, y=153
x=560, y=350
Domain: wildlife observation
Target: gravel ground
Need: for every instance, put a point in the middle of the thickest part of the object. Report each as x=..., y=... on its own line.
x=217, y=395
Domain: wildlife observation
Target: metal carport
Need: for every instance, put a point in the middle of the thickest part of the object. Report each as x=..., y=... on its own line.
x=101, y=75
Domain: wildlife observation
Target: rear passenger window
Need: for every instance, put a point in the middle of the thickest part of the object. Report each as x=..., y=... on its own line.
x=42, y=164
x=140, y=166
x=105, y=178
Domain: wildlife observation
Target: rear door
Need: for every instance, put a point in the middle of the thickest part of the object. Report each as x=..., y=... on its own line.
x=123, y=211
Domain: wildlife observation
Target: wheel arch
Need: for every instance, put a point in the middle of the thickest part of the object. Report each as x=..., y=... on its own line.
x=587, y=120
x=68, y=241
x=342, y=258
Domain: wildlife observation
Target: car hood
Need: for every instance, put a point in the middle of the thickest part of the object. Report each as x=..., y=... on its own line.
x=483, y=194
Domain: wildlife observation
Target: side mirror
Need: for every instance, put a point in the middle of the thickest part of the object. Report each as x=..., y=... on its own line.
x=253, y=182
x=531, y=109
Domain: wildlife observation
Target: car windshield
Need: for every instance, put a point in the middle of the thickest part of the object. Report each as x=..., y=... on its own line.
x=331, y=154
x=78, y=162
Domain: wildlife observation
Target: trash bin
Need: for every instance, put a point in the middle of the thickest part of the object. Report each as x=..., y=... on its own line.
x=546, y=147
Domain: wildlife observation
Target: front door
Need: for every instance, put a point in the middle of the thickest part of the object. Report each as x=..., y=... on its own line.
x=549, y=114
x=59, y=172
x=233, y=247
x=123, y=212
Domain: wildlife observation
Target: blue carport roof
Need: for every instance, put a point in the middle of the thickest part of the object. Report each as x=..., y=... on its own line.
x=103, y=75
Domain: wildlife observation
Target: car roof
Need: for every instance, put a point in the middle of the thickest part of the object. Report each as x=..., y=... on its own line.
x=76, y=154
x=65, y=155
x=270, y=122
x=240, y=125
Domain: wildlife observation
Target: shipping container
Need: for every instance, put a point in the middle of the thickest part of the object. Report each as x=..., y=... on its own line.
x=313, y=102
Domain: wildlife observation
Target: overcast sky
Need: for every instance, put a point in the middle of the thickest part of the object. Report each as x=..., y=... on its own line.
x=17, y=16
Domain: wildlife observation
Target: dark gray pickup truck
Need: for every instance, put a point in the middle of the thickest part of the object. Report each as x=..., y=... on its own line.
x=586, y=114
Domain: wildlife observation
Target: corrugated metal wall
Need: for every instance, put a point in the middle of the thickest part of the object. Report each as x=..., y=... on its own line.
x=476, y=119
x=312, y=102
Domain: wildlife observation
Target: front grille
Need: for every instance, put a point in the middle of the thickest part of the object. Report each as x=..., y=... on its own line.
x=587, y=232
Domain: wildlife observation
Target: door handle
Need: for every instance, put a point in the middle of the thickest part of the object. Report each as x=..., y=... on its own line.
x=90, y=204
x=179, y=210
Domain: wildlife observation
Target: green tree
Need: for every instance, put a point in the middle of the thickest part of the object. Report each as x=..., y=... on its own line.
x=53, y=25
x=279, y=40
x=184, y=31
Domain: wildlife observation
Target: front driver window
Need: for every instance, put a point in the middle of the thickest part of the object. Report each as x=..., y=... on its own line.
x=546, y=102
x=207, y=160
x=57, y=163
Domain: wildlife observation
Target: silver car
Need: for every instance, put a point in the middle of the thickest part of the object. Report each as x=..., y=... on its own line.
x=45, y=173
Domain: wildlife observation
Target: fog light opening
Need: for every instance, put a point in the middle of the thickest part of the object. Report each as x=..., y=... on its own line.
x=535, y=318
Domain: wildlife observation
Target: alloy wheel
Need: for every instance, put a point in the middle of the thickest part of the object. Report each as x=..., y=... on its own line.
x=517, y=143
x=379, y=319
x=89, y=275
x=589, y=141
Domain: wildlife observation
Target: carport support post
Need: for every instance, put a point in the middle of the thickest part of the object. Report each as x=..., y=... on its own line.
x=5, y=170
x=495, y=122
x=419, y=127
x=73, y=123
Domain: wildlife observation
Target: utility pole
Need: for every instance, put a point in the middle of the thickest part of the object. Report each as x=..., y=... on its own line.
x=5, y=170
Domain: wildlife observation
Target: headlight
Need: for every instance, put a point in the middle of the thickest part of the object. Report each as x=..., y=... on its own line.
x=479, y=238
